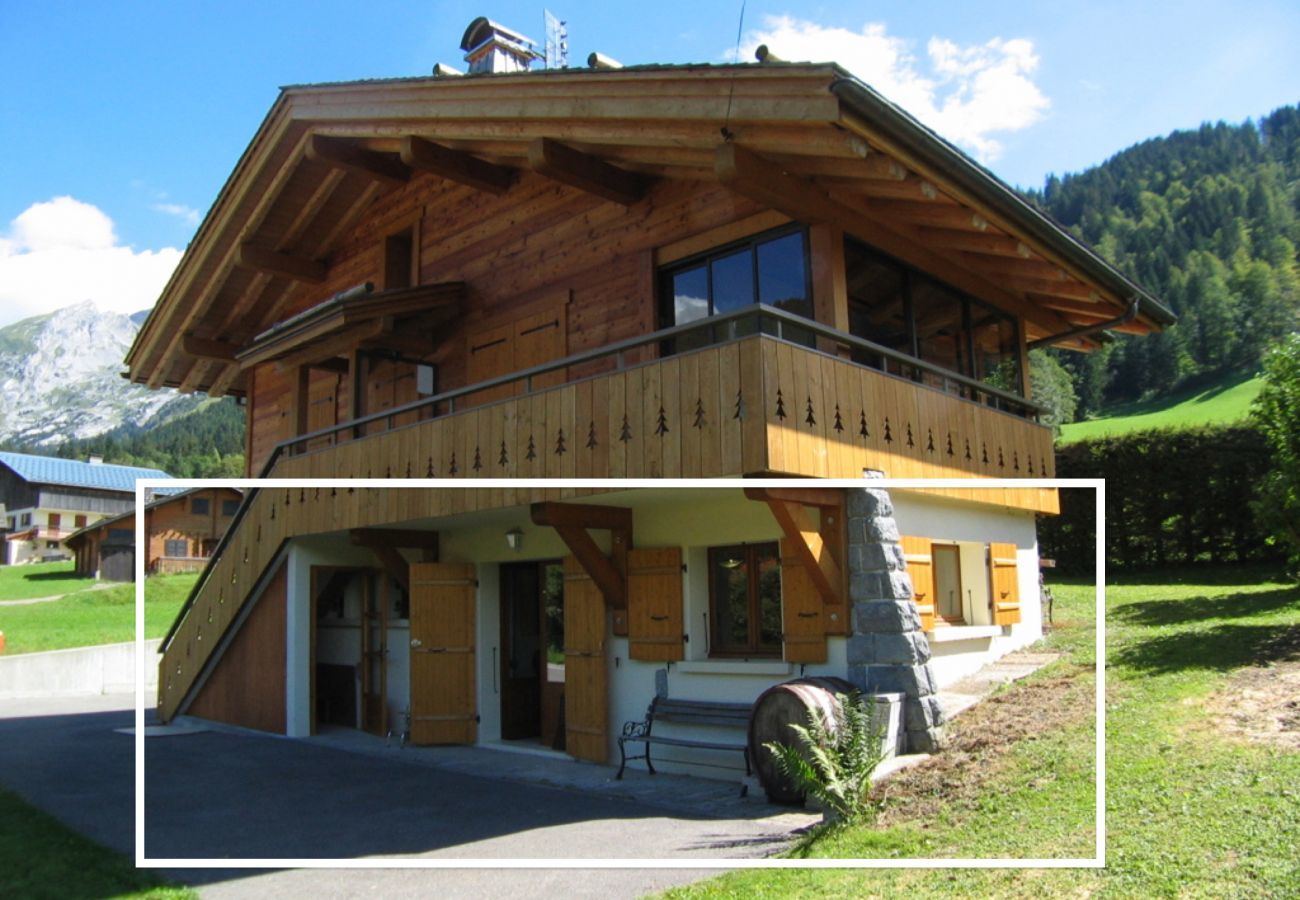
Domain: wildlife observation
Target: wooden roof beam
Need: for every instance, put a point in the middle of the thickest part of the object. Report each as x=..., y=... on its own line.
x=765, y=182
x=984, y=243
x=924, y=213
x=260, y=259
x=585, y=172
x=455, y=165
x=425, y=541
x=346, y=155
x=206, y=348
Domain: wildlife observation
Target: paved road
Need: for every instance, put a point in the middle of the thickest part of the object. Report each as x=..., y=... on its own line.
x=224, y=795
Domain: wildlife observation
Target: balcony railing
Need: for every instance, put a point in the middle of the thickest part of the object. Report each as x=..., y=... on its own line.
x=757, y=319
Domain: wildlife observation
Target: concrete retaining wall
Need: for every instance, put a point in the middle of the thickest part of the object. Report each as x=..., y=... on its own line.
x=104, y=669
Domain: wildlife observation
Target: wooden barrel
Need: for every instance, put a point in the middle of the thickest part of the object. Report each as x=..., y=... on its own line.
x=792, y=702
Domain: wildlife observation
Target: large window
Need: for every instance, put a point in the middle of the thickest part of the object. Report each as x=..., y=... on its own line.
x=200, y=506
x=745, y=600
x=178, y=548
x=771, y=268
x=911, y=313
x=229, y=507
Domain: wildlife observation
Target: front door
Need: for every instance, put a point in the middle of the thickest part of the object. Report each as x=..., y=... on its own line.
x=444, y=707
x=532, y=652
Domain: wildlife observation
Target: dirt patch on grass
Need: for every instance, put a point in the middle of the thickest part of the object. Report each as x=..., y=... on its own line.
x=979, y=740
x=1261, y=704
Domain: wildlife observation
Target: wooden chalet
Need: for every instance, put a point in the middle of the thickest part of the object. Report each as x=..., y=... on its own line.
x=182, y=529
x=654, y=271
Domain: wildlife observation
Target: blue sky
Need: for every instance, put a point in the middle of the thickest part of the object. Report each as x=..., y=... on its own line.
x=138, y=111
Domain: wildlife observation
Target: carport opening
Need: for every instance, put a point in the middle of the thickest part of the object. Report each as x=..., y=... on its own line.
x=357, y=614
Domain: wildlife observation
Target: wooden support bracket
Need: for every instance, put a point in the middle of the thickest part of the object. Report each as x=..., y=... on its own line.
x=572, y=521
x=819, y=544
x=205, y=348
x=343, y=154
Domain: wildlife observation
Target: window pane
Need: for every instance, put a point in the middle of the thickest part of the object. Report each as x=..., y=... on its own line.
x=782, y=278
x=940, y=331
x=767, y=562
x=733, y=282
x=199, y=506
x=690, y=304
x=997, y=350
x=877, y=303
x=730, y=576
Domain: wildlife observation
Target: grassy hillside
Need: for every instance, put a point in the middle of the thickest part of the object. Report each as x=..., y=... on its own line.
x=1225, y=401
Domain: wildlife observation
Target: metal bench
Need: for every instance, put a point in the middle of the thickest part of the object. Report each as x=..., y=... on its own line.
x=685, y=712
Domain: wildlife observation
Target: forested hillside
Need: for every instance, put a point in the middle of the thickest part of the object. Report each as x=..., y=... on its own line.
x=205, y=443
x=1208, y=221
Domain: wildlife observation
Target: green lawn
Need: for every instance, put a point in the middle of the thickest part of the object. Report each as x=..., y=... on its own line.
x=41, y=858
x=103, y=616
x=1220, y=404
x=1194, y=808
x=40, y=580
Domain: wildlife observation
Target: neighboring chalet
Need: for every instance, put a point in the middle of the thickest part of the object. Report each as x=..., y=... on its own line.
x=660, y=271
x=46, y=499
x=181, y=532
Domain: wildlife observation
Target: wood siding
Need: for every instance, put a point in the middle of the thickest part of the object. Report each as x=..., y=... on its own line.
x=247, y=685
x=586, y=669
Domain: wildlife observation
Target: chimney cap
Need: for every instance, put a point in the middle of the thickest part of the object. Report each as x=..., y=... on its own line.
x=483, y=28
x=601, y=61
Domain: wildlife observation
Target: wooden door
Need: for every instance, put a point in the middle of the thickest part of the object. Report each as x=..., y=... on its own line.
x=322, y=404
x=521, y=652
x=586, y=680
x=803, y=626
x=444, y=707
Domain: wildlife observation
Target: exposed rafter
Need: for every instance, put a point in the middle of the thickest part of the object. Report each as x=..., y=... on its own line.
x=454, y=165
x=344, y=154
x=260, y=259
x=209, y=349
x=585, y=172
x=986, y=243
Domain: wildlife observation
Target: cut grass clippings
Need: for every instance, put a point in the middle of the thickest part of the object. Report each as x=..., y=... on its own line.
x=1193, y=809
x=89, y=617
x=41, y=858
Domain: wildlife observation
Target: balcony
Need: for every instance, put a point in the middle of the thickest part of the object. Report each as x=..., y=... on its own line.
x=752, y=402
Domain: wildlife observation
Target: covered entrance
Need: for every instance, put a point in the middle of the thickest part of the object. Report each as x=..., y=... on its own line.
x=351, y=609
x=532, y=652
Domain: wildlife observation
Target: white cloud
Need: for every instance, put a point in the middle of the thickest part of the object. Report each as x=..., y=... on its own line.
x=64, y=251
x=187, y=214
x=965, y=93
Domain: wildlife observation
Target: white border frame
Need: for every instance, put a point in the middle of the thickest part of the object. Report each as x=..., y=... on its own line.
x=1098, y=861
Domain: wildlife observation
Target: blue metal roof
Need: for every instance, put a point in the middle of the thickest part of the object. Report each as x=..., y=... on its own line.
x=73, y=473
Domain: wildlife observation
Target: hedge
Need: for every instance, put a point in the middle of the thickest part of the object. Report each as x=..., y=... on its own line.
x=1173, y=497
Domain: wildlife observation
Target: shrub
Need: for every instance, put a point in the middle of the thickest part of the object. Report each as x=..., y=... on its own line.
x=1277, y=410
x=835, y=763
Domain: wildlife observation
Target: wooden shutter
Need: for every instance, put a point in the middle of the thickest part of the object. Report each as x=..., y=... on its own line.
x=541, y=338
x=654, y=604
x=490, y=353
x=1006, y=585
x=920, y=565
x=444, y=708
x=803, y=617
x=586, y=680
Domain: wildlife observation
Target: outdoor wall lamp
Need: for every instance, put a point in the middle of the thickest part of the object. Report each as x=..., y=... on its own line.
x=515, y=539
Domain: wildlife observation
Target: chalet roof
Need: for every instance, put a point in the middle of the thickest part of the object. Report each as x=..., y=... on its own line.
x=79, y=535
x=806, y=139
x=74, y=473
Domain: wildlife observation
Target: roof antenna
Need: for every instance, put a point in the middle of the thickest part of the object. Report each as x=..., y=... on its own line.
x=726, y=132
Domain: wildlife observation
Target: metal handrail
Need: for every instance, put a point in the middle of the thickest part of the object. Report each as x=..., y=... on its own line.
x=759, y=313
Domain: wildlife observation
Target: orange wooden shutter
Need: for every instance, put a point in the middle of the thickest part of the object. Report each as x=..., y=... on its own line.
x=1006, y=585
x=803, y=616
x=654, y=604
x=586, y=680
x=490, y=353
x=920, y=565
x=444, y=709
x=538, y=339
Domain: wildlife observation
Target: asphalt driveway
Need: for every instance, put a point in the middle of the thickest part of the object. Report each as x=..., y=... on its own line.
x=221, y=795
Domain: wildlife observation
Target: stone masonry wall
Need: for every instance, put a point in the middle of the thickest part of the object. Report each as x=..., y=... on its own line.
x=888, y=652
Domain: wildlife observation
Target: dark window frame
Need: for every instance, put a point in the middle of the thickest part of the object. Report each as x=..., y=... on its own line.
x=664, y=274
x=171, y=544
x=754, y=648
x=200, y=510
x=229, y=507
x=910, y=276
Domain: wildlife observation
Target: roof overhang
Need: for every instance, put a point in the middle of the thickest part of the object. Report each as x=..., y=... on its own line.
x=806, y=139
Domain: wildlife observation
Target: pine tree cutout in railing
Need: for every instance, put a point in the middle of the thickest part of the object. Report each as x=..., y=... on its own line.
x=739, y=412
x=478, y=460
x=929, y=440
x=699, y=414
x=429, y=471
x=780, y=405
x=625, y=432
x=968, y=449
x=862, y=424
x=889, y=434
x=1002, y=464
x=503, y=460
x=950, y=451
x=839, y=423
x=810, y=419
x=452, y=468
x=592, y=443
x=910, y=442
x=532, y=450
x=984, y=451
x=662, y=428
x=1030, y=460
x=561, y=447
x=1015, y=460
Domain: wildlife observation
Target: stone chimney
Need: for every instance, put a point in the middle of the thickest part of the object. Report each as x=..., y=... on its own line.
x=492, y=47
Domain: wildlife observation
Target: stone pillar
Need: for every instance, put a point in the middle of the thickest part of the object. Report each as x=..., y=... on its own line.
x=888, y=652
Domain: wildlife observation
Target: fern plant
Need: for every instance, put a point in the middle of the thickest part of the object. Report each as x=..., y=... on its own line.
x=835, y=763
